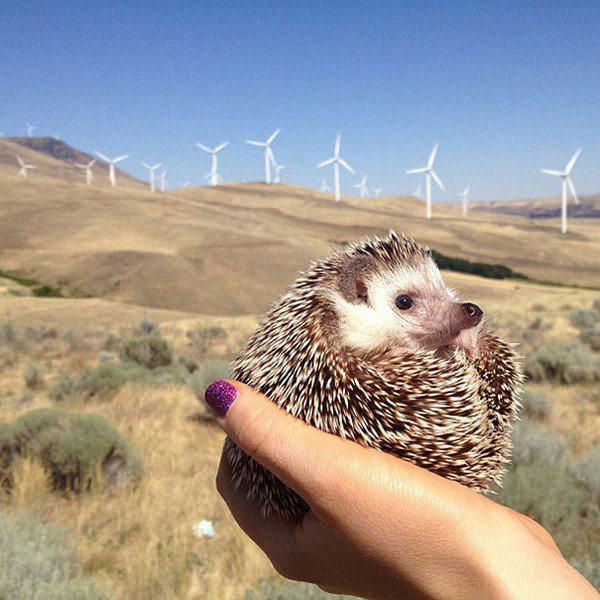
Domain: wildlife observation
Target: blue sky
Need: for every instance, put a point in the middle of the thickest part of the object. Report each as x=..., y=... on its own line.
x=506, y=87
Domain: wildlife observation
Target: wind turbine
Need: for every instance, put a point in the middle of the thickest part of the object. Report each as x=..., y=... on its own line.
x=324, y=185
x=429, y=173
x=418, y=191
x=152, y=169
x=268, y=152
x=567, y=185
x=88, y=170
x=184, y=184
x=465, y=200
x=278, y=169
x=162, y=180
x=213, y=175
x=30, y=129
x=111, y=169
x=377, y=191
x=362, y=186
x=25, y=168
x=336, y=161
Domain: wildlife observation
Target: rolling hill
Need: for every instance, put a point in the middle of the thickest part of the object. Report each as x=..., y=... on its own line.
x=549, y=208
x=54, y=159
x=233, y=249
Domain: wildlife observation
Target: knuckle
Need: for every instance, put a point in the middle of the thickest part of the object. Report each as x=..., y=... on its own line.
x=255, y=435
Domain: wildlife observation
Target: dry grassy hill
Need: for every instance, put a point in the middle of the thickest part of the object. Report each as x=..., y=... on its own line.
x=232, y=249
x=543, y=208
x=54, y=160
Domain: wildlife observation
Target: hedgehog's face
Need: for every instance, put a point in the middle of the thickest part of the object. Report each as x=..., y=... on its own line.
x=405, y=307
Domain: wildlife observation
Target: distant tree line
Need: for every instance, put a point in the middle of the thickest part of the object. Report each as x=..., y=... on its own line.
x=475, y=268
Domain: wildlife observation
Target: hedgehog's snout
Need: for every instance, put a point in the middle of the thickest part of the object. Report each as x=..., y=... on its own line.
x=471, y=314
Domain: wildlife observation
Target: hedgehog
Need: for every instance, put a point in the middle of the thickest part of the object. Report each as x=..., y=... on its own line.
x=371, y=345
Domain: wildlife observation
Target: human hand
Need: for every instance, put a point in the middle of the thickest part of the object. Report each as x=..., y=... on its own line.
x=380, y=527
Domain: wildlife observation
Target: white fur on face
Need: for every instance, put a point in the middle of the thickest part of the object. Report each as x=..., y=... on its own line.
x=368, y=326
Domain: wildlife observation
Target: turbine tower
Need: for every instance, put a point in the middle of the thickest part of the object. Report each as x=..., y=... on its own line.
x=268, y=152
x=336, y=161
x=213, y=175
x=88, y=170
x=465, y=200
x=429, y=173
x=418, y=191
x=278, y=169
x=162, y=180
x=324, y=185
x=30, y=129
x=111, y=169
x=567, y=185
x=152, y=169
x=362, y=186
x=25, y=168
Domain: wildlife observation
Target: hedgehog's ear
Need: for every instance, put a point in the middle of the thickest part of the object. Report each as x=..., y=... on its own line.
x=353, y=279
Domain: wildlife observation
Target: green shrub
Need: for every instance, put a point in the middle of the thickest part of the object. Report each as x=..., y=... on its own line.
x=536, y=405
x=290, y=590
x=584, y=318
x=564, y=363
x=146, y=327
x=33, y=376
x=537, y=444
x=102, y=380
x=39, y=562
x=543, y=484
x=62, y=389
x=188, y=362
x=205, y=337
x=209, y=371
x=149, y=351
x=591, y=337
x=596, y=306
x=587, y=471
x=589, y=567
x=72, y=447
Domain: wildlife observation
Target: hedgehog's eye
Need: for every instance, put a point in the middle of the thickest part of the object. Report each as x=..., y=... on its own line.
x=404, y=302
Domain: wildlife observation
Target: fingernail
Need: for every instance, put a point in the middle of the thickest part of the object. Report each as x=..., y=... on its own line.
x=219, y=396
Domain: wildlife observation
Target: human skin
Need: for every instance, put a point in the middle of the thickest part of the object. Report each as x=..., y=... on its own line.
x=380, y=527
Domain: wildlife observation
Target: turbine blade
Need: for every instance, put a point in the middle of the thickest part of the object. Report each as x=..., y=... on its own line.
x=103, y=157
x=432, y=155
x=419, y=170
x=158, y=166
x=220, y=147
x=572, y=188
x=272, y=137
x=329, y=161
x=91, y=163
x=20, y=160
x=438, y=180
x=120, y=158
x=346, y=165
x=552, y=172
x=80, y=166
x=572, y=161
x=338, y=141
x=145, y=165
x=202, y=147
x=253, y=143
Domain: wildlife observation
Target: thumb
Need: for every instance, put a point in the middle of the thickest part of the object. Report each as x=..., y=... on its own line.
x=293, y=451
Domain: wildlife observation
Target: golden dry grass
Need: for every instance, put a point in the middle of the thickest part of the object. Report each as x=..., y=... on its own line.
x=233, y=248
x=138, y=543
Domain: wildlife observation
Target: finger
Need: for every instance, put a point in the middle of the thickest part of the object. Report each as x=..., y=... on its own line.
x=301, y=456
x=273, y=534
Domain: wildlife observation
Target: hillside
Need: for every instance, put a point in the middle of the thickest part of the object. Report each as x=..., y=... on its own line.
x=233, y=249
x=54, y=159
x=545, y=208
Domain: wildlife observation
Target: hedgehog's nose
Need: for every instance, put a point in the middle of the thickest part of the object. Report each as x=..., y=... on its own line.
x=472, y=313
